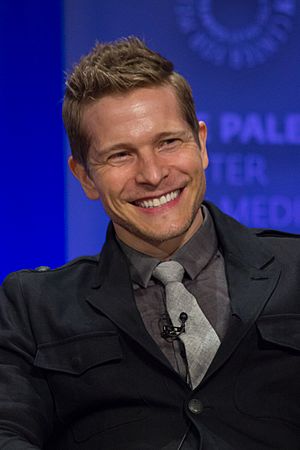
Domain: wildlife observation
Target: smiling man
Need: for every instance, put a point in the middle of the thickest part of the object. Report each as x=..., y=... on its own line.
x=184, y=332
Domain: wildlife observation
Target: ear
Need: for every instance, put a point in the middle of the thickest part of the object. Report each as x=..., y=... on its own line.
x=82, y=176
x=202, y=139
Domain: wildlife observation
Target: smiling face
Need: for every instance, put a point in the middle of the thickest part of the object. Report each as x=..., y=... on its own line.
x=146, y=168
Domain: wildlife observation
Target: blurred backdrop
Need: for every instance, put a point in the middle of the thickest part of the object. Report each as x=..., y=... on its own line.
x=243, y=62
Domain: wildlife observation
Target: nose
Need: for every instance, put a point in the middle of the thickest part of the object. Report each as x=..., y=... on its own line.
x=151, y=170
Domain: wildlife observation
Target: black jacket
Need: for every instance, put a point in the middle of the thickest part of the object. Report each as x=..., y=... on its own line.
x=78, y=370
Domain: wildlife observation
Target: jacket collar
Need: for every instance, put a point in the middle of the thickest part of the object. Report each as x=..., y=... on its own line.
x=237, y=241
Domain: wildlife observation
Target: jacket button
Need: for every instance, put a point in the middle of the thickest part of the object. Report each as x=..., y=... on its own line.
x=195, y=406
x=76, y=362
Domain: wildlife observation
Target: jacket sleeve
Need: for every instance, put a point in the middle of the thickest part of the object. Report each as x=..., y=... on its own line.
x=26, y=407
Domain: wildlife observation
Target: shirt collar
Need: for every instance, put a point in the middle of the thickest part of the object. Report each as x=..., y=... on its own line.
x=194, y=255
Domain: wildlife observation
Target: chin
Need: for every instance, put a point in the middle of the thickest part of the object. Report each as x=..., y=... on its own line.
x=160, y=236
x=163, y=232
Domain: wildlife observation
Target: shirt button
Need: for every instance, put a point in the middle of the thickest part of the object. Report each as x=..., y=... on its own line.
x=195, y=406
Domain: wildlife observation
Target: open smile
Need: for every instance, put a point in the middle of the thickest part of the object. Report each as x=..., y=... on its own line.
x=157, y=202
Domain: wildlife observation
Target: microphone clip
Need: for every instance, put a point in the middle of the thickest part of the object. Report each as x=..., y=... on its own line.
x=170, y=332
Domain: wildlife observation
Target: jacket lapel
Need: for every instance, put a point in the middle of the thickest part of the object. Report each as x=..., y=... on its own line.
x=112, y=295
x=252, y=275
x=250, y=290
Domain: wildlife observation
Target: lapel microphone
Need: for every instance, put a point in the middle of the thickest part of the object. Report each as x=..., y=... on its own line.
x=169, y=332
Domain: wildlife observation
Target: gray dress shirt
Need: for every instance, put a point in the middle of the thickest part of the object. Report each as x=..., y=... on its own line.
x=204, y=278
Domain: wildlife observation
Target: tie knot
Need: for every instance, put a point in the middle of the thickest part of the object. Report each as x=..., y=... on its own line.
x=168, y=271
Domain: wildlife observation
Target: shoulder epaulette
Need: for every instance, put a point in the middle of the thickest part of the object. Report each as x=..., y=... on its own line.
x=43, y=269
x=276, y=233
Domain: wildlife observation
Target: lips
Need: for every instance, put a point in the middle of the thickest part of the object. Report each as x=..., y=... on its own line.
x=156, y=202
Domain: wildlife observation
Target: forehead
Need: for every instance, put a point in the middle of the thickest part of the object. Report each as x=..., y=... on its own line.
x=152, y=107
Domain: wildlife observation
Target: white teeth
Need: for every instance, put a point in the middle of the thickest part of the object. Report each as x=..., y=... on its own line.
x=155, y=202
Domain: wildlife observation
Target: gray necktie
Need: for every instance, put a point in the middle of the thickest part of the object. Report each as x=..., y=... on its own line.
x=200, y=339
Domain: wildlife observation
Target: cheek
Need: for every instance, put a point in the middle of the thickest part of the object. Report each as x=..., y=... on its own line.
x=111, y=185
x=191, y=165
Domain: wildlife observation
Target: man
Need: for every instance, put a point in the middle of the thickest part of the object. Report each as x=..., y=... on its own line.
x=92, y=354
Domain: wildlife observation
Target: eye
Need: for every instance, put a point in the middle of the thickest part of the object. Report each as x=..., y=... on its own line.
x=170, y=143
x=118, y=157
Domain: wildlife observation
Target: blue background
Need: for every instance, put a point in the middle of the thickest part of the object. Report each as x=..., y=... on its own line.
x=32, y=160
x=251, y=108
